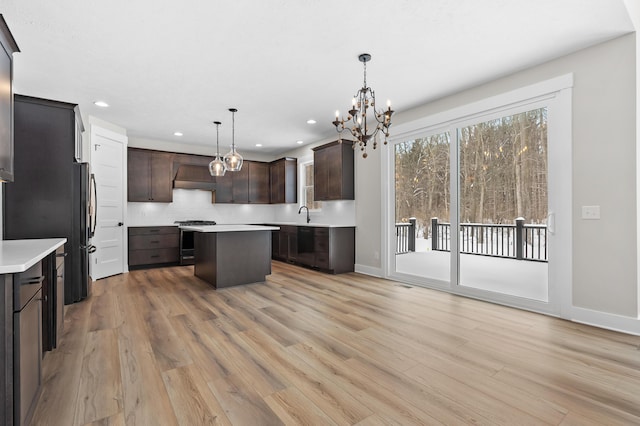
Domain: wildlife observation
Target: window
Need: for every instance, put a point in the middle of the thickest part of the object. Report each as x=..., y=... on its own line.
x=306, y=185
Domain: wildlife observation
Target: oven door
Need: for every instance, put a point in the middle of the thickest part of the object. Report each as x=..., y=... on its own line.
x=186, y=247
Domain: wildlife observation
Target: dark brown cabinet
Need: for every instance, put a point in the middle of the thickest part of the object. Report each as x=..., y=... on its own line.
x=153, y=245
x=8, y=47
x=259, y=182
x=329, y=249
x=53, y=299
x=250, y=185
x=333, y=171
x=284, y=181
x=149, y=175
x=27, y=342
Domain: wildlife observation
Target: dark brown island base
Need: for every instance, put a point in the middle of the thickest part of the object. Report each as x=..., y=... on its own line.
x=229, y=255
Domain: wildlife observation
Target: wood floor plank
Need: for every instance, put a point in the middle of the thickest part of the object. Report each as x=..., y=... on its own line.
x=100, y=389
x=61, y=369
x=310, y=348
x=295, y=409
x=188, y=403
x=145, y=398
x=335, y=401
x=167, y=347
x=115, y=420
x=242, y=405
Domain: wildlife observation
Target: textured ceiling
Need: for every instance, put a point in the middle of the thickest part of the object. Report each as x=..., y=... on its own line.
x=167, y=66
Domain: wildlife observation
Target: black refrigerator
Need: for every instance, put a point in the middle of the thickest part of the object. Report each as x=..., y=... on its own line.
x=49, y=197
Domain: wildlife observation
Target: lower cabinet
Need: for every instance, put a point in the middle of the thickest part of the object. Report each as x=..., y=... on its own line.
x=153, y=245
x=328, y=249
x=27, y=342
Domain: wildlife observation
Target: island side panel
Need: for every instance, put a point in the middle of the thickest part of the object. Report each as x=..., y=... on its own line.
x=205, y=265
x=226, y=259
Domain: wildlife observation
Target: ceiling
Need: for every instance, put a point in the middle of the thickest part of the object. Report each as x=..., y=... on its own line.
x=166, y=66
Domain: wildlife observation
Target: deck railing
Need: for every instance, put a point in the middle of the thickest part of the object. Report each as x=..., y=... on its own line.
x=406, y=236
x=518, y=241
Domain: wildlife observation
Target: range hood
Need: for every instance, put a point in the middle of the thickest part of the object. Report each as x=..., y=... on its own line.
x=190, y=176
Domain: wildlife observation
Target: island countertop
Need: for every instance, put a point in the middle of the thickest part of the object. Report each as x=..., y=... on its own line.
x=229, y=228
x=19, y=255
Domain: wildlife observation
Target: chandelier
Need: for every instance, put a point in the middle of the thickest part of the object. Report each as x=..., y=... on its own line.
x=233, y=160
x=366, y=121
x=217, y=167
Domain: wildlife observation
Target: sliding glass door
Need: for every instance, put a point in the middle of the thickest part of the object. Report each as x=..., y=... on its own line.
x=476, y=201
x=503, y=208
x=422, y=197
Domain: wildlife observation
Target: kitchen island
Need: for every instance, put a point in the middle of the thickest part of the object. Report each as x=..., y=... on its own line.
x=229, y=255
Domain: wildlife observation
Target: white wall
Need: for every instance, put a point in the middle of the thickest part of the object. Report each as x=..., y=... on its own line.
x=604, y=171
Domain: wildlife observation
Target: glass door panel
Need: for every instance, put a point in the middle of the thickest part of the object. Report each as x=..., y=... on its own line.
x=503, y=209
x=422, y=207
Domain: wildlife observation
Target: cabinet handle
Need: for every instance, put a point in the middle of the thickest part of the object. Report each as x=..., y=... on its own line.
x=154, y=242
x=34, y=280
x=155, y=255
x=62, y=255
x=154, y=230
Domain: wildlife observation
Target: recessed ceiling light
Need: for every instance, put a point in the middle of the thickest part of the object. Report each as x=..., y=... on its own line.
x=101, y=104
x=299, y=142
x=177, y=134
x=311, y=121
x=258, y=145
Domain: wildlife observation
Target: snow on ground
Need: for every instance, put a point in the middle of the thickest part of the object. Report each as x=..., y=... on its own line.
x=520, y=278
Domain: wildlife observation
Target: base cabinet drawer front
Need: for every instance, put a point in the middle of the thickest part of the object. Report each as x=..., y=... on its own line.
x=153, y=256
x=153, y=230
x=151, y=245
x=144, y=242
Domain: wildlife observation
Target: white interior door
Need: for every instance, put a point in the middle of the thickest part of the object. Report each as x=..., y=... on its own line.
x=108, y=151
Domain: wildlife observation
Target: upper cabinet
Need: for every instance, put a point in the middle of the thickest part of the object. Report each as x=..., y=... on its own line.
x=149, y=175
x=284, y=181
x=250, y=185
x=333, y=171
x=9, y=47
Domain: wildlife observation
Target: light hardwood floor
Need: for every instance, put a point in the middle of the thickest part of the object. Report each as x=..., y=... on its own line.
x=161, y=347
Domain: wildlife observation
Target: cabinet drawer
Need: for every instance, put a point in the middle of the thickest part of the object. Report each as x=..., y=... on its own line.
x=145, y=242
x=153, y=230
x=26, y=284
x=151, y=256
x=322, y=260
x=321, y=241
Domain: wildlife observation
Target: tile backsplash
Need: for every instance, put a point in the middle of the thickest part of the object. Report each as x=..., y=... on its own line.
x=195, y=204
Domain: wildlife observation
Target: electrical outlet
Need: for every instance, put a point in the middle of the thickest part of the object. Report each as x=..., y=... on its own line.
x=591, y=212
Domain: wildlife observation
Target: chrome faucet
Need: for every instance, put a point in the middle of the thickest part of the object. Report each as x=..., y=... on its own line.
x=300, y=211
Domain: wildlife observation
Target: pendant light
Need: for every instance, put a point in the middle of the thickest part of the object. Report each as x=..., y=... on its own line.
x=217, y=167
x=233, y=160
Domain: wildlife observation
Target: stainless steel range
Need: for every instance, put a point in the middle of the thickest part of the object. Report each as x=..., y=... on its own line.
x=186, y=239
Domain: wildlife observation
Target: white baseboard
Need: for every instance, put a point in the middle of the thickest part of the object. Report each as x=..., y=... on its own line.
x=606, y=320
x=369, y=270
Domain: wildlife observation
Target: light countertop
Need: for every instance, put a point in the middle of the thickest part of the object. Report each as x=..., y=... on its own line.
x=312, y=224
x=20, y=255
x=229, y=228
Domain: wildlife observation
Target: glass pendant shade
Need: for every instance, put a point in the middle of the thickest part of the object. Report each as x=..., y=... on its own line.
x=233, y=160
x=217, y=167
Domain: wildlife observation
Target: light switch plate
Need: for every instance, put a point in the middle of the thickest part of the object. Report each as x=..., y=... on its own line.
x=591, y=212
